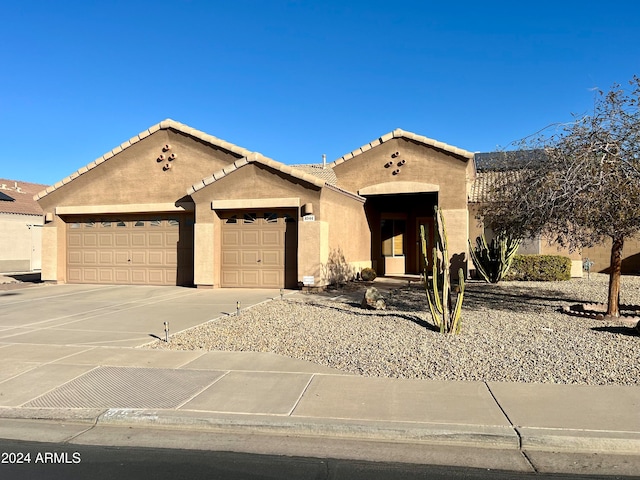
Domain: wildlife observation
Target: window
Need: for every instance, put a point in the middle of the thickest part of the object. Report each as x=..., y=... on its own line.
x=74, y=225
x=120, y=223
x=173, y=222
x=271, y=217
x=392, y=237
x=106, y=224
x=155, y=223
x=90, y=224
x=139, y=223
x=250, y=218
x=233, y=219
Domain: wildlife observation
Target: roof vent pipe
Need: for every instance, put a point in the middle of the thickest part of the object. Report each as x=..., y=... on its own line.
x=324, y=161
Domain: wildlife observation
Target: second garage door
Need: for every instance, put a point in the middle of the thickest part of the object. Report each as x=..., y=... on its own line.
x=259, y=249
x=148, y=250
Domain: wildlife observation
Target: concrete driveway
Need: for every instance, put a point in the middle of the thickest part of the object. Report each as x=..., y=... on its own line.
x=112, y=315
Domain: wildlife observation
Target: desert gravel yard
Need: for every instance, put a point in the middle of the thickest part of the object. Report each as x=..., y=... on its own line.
x=512, y=331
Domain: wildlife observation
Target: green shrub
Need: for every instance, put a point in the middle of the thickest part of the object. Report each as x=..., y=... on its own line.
x=368, y=274
x=539, y=268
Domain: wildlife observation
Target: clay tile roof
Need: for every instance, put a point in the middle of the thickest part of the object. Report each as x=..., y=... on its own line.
x=481, y=187
x=327, y=174
x=399, y=133
x=17, y=197
x=163, y=125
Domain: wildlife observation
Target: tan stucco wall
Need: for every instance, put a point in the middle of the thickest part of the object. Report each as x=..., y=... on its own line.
x=259, y=182
x=457, y=225
x=134, y=176
x=203, y=273
x=20, y=244
x=422, y=164
x=132, y=181
x=476, y=228
x=256, y=181
x=54, y=251
x=349, y=230
x=601, y=255
x=313, y=250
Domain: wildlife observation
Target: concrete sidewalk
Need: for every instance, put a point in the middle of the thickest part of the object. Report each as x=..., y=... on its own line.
x=59, y=381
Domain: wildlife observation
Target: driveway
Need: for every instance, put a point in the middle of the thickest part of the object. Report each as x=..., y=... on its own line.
x=112, y=315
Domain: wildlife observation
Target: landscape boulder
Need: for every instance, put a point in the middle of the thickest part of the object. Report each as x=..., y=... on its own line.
x=372, y=300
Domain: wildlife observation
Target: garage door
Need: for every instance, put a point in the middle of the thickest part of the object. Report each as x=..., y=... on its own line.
x=258, y=249
x=146, y=250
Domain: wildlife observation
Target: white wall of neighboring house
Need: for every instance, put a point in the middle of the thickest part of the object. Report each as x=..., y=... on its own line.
x=20, y=242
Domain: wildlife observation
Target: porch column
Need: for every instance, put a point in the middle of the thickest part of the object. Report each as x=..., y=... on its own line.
x=203, y=254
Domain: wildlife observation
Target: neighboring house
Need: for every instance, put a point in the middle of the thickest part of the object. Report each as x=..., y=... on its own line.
x=21, y=224
x=174, y=205
x=480, y=191
x=492, y=165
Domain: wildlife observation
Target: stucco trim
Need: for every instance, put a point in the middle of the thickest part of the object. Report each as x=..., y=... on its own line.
x=399, y=133
x=387, y=188
x=345, y=192
x=292, y=202
x=132, y=208
x=163, y=125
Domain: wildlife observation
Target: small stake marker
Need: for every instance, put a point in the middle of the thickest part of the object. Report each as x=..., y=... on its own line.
x=166, y=332
x=238, y=309
x=281, y=293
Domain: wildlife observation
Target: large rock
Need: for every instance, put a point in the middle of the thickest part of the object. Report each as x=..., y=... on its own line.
x=373, y=300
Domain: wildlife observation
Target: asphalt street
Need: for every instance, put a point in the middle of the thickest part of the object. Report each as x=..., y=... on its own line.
x=59, y=461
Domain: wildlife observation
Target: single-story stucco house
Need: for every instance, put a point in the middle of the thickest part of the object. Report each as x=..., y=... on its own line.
x=176, y=206
x=21, y=221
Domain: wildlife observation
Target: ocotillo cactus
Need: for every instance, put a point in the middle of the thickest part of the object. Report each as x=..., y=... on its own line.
x=444, y=317
x=493, y=260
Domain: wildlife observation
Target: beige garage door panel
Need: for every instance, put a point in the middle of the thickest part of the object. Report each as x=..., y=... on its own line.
x=142, y=250
x=253, y=249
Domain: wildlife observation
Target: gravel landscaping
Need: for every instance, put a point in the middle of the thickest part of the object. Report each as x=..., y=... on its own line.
x=512, y=331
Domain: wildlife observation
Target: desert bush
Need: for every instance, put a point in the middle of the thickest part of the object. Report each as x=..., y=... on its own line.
x=337, y=270
x=539, y=268
x=368, y=274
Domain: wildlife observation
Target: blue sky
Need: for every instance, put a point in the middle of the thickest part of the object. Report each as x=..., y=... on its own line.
x=296, y=79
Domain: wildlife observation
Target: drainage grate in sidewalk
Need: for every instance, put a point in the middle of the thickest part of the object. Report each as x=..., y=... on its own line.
x=126, y=387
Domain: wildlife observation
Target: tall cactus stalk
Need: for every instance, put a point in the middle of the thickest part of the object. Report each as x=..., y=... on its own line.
x=493, y=260
x=446, y=318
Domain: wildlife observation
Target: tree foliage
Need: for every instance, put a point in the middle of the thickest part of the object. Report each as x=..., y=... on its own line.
x=579, y=183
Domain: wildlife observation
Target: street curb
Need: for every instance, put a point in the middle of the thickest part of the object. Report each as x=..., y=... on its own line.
x=75, y=415
x=476, y=435
x=502, y=437
x=481, y=436
x=593, y=441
